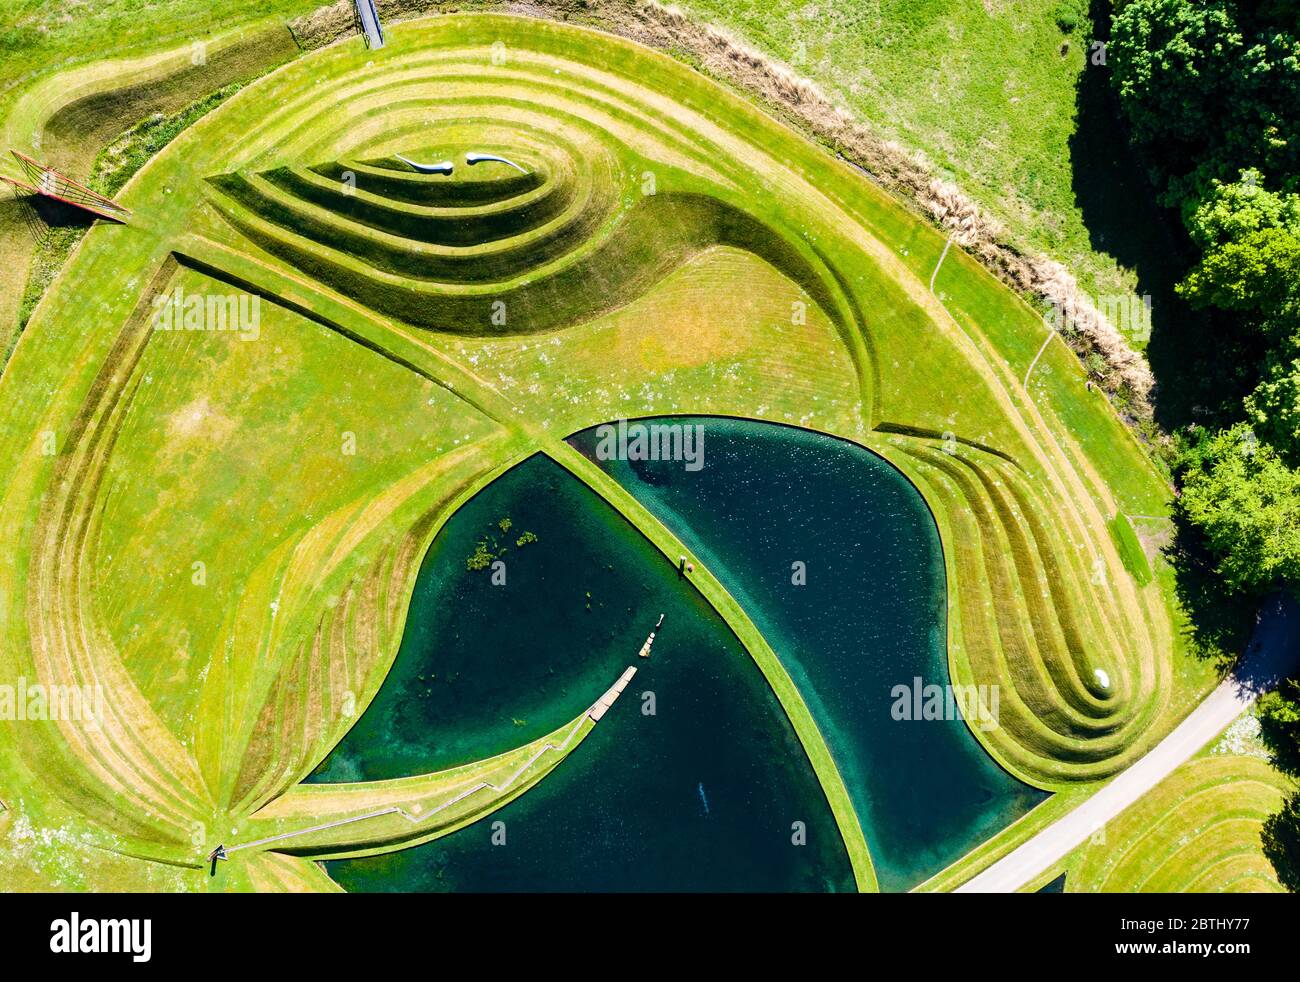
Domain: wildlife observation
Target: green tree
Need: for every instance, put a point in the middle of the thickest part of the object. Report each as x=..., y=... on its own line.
x=1279, y=722
x=1273, y=409
x=1232, y=211
x=1254, y=274
x=1208, y=88
x=1245, y=500
x=1281, y=839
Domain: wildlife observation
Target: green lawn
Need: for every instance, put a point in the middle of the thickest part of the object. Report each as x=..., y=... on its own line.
x=41, y=37
x=1198, y=830
x=995, y=96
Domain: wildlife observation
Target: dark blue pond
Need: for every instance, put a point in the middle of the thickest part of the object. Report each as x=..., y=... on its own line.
x=868, y=616
x=700, y=795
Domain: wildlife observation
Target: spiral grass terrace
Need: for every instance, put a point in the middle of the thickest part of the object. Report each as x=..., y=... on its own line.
x=223, y=530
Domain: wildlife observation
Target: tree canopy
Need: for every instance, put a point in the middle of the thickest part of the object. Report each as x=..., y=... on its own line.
x=1209, y=88
x=1246, y=501
x=1279, y=719
x=1231, y=211
x=1255, y=274
x=1273, y=409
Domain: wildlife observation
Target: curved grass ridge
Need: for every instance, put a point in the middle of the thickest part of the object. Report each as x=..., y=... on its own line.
x=641, y=172
x=548, y=261
x=345, y=821
x=1039, y=621
x=284, y=709
x=1198, y=831
x=69, y=117
x=129, y=753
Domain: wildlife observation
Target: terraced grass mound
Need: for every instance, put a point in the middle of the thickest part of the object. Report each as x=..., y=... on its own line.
x=666, y=248
x=1197, y=832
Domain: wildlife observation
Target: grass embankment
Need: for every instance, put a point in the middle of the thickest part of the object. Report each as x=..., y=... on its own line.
x=378, y=816
x=177, y=448
x=1197, y=831
x=40, y=38
x=112, y=169
x=99, y=122
x=1024, y=128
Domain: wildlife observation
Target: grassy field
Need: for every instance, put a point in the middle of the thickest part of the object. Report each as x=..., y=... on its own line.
x=996, y=97
x=39, y=38
x=99, y=120
x=223, y=528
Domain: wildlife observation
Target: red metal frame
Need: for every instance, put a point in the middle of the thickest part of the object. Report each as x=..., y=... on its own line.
x=98, y=205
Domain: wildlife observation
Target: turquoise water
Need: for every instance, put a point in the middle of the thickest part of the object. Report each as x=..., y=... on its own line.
x=870, y=615
x=702, y=794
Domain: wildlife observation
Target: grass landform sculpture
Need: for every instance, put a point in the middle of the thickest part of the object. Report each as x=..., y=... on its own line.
x=220, y=528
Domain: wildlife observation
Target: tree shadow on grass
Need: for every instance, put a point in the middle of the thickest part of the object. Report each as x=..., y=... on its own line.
x=1125, y=221
x=1280, y=837
x=1279, y=730
x=1219, y=624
